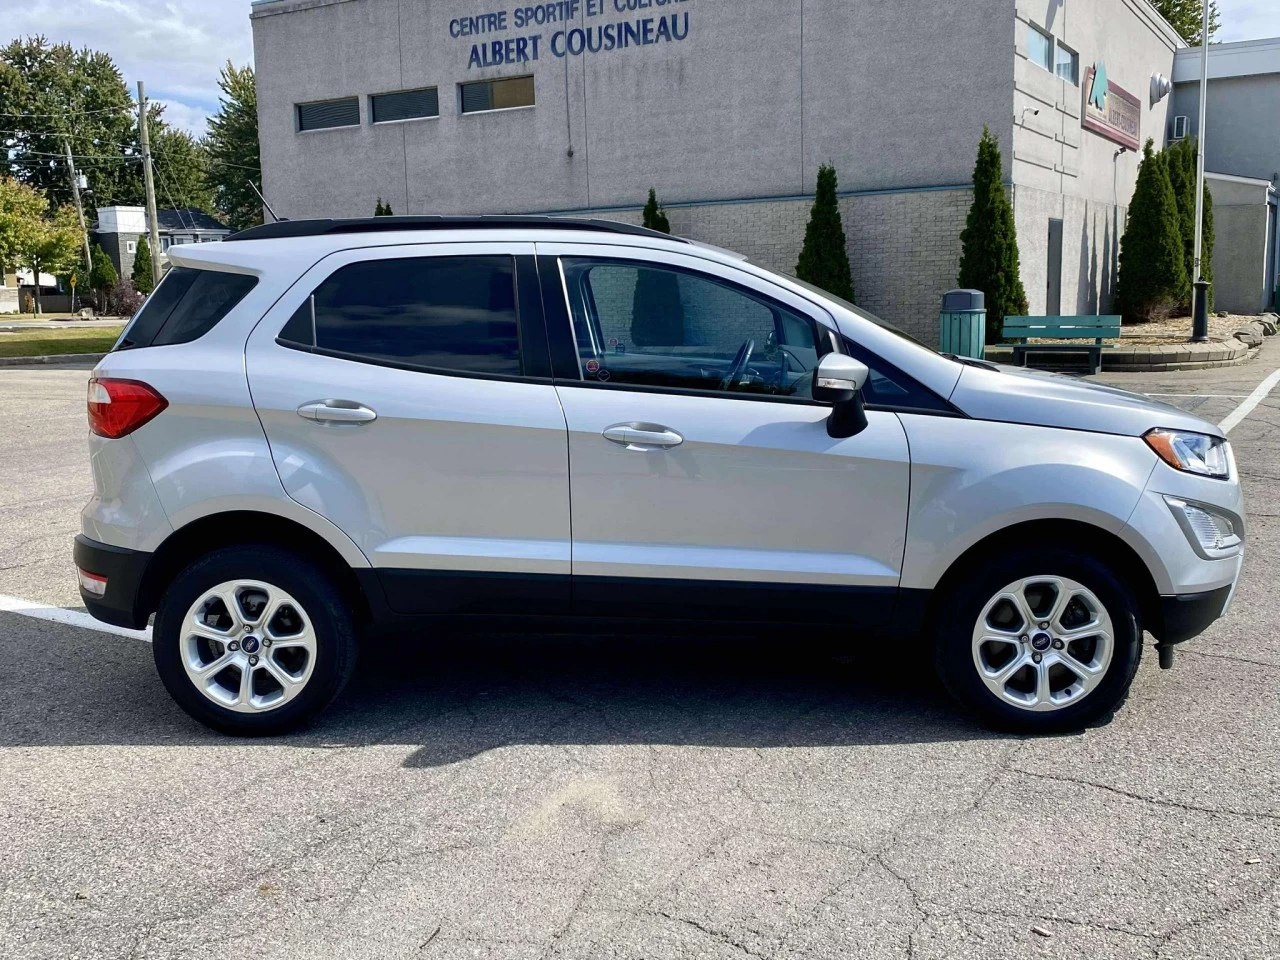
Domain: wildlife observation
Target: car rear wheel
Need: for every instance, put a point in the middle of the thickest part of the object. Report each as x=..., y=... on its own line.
x=254, y=640
x=1039, y=640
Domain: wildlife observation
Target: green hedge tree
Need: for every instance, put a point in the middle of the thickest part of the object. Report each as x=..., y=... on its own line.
x=989, y=258
x=143, y=279
x=657, y=315
x=382, y=209
x=824, y=259
x=1181, y=158
x=655, y=218
x=103, y=277
x=1153, y=270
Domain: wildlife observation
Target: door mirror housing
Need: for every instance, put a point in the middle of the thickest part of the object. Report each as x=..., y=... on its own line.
x=838, y=380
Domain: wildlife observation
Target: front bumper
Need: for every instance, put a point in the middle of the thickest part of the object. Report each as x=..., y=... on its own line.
x=1188, y=615
x=123, y=570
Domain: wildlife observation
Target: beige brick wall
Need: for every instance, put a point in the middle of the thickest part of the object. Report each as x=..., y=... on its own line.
x=904, y=248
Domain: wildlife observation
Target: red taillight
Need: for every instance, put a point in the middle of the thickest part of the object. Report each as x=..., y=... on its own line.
x=119, y=407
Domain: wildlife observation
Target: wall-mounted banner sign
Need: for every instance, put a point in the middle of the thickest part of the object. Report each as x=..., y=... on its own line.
x=1111, y=111
x=526, y=34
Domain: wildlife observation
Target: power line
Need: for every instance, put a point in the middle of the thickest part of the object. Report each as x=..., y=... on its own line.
x=72, y=113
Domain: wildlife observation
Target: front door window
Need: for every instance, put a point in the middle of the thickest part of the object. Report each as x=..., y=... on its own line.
x=644, y=325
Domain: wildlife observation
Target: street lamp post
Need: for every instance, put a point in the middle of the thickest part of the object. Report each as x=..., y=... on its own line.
x=1200, y=309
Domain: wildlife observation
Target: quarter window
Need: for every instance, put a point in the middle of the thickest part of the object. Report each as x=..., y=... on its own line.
x=454, y=314
x=186, y=305
x=496, y=94
x=1039, y=47
x=662, y=327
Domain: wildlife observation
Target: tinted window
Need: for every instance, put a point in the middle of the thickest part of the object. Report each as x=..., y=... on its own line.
x=330, y=113
x=186, y=305
x=404, y=105
x=497, y=94
x=447, y=313
x=652, y=326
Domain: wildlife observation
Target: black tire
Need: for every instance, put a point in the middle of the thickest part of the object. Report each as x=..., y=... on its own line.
x=965, y=599
x=313, y=588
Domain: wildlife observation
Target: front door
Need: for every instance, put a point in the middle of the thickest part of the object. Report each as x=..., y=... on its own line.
x=403, y=402
x=1053, y=289
x=704, y=483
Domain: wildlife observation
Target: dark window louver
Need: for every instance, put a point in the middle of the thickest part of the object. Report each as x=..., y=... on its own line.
x=331, y=113
x=497, y=94
x=405, y=105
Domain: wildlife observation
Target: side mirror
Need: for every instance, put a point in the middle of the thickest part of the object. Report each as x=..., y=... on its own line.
x=838, y=380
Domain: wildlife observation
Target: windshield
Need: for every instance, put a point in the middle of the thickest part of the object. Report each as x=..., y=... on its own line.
x=854, y=308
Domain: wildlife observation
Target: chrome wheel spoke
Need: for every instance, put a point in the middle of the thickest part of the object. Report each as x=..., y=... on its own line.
x=249, y=667
x=1050, y=666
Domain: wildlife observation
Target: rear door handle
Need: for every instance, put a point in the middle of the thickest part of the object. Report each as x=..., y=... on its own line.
x=640, y=436
x=336, y=411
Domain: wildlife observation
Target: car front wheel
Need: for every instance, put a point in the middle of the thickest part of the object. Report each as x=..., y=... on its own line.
x=253, y=640
x=1040, y=641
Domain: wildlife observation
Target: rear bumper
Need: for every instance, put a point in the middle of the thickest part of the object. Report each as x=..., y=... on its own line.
x=123, y=570
x=1190, y=614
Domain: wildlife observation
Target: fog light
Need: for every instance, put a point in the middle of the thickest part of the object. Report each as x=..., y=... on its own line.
x=1213, y=533
x=92, y=583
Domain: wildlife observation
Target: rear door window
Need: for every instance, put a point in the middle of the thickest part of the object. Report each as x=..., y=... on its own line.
x=186, y=305
x=452, y=314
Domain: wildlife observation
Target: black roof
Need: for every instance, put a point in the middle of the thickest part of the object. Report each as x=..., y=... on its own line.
x=285, y=229
x=180, y=219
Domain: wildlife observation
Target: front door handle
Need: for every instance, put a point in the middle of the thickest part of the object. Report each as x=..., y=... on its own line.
x=336, y=411
x=641, y=436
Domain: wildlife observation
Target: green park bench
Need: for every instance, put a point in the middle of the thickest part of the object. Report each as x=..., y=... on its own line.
x=1096, y=329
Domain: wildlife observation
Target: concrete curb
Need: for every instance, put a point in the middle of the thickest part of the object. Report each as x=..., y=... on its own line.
x=55, y=358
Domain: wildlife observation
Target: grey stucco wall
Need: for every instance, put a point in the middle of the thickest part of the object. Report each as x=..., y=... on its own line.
x=1244, y=123
x=1063, y=171
x=757, y=96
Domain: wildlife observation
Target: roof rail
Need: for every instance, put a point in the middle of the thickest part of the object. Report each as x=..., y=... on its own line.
x=288, y=229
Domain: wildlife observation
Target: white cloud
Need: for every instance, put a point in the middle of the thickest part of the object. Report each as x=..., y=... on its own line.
x=177, y=47
x=1247, y=20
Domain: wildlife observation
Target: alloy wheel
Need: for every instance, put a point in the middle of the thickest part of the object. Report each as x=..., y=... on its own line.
x=1043, y=643
x=248, y=646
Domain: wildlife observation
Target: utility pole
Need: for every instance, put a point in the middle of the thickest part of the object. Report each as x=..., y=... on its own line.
x=75, y=194
x=152, y=224
x=1200, y=310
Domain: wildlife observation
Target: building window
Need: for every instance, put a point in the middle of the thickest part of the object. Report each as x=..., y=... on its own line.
x=1068, y=65
x=404, y=105
x=1039, y=47
x=328, y=114
x=131, y=246
x=496, y=94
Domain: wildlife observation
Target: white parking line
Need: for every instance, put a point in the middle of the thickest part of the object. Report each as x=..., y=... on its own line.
x=70, y=618
x=1246, y=408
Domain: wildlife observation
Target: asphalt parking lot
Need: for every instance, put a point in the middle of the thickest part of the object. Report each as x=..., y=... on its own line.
x=606, y=797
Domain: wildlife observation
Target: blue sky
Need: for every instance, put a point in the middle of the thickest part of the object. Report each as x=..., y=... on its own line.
x=178, y=46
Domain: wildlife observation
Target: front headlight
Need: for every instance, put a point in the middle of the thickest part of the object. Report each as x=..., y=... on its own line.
x=1196, y=453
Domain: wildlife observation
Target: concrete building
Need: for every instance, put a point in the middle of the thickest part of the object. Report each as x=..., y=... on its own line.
x=1242, y=162
x=728, y=109
x=120, y=228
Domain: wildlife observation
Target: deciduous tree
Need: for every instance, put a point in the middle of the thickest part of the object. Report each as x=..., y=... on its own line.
x=1187, y=17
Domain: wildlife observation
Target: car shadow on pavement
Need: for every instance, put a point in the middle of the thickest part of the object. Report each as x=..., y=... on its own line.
x=455, y=696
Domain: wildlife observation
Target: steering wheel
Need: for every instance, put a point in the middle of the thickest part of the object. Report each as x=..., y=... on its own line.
x=740, y=361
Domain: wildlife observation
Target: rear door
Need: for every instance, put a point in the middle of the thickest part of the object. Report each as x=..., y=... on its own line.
x=406, y=396
x=704, y=483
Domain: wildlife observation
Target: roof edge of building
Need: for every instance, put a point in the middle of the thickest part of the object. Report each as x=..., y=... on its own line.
x=1240, y=58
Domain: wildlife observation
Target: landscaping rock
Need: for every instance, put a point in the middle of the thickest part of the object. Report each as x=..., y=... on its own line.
x=86, y=313
x=1269, y=323
x=1251, y=334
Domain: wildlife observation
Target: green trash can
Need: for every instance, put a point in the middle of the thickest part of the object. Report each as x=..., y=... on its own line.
x=963, y=330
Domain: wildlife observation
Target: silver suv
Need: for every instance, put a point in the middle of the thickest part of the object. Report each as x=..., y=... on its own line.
x=320, y=427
